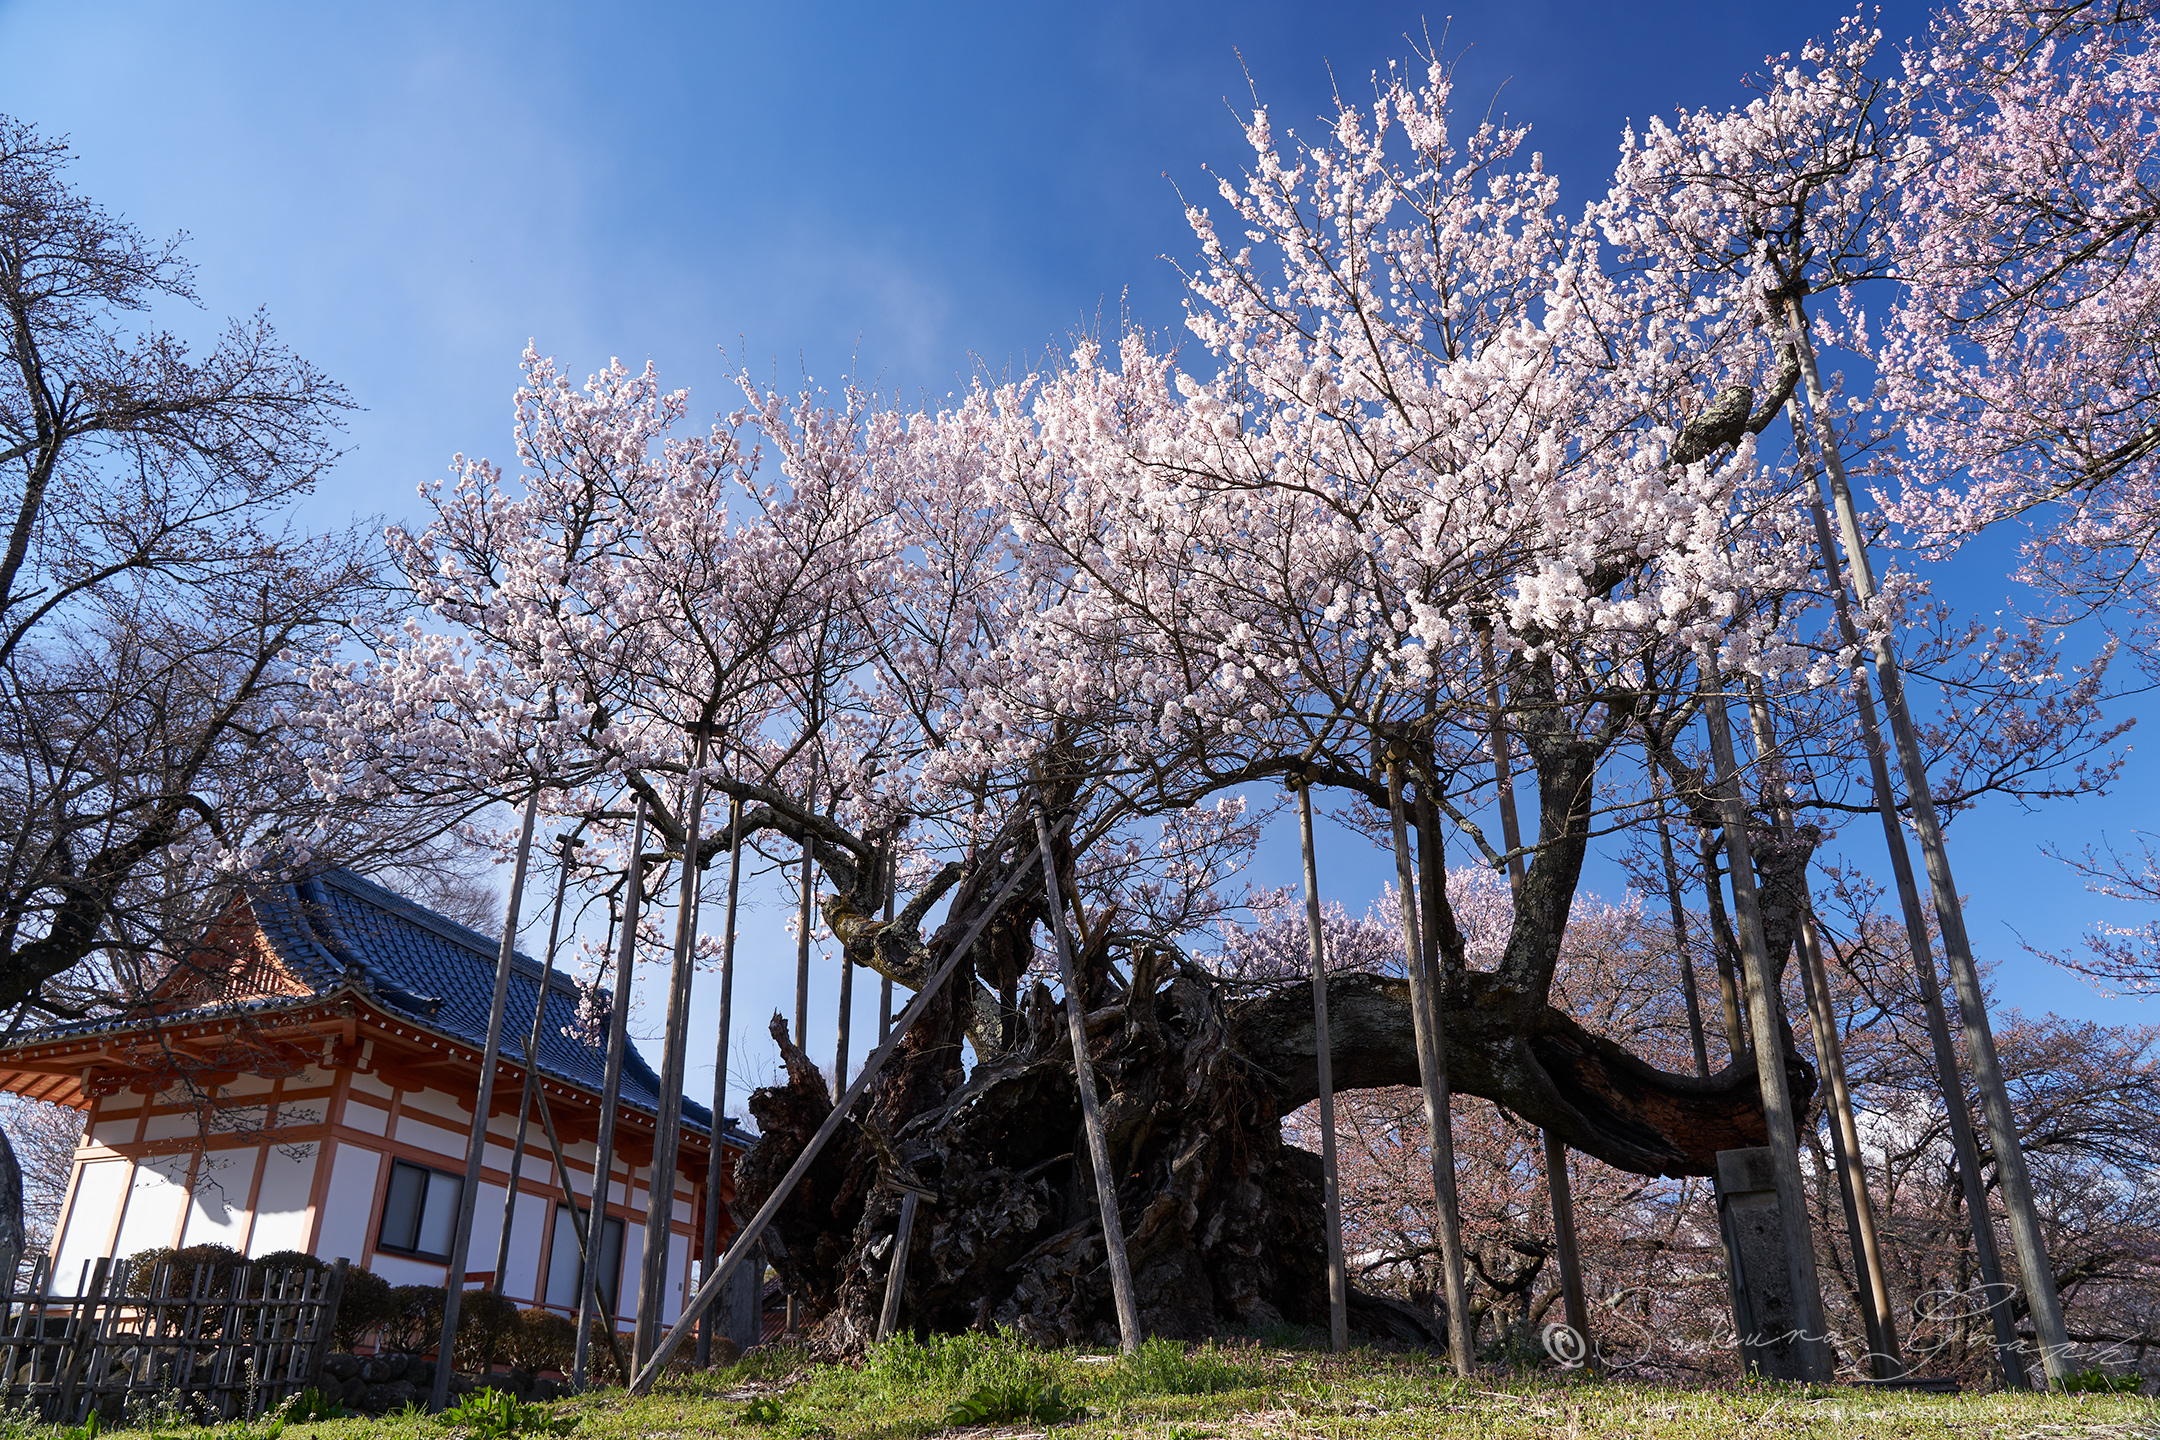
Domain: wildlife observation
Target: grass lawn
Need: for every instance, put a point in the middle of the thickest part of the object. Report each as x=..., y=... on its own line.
x=1170, y=1392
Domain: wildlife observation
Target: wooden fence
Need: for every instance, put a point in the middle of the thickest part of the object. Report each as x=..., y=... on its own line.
x=218, y=1344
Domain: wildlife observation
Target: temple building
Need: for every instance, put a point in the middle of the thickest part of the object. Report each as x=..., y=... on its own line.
x=307, y=1082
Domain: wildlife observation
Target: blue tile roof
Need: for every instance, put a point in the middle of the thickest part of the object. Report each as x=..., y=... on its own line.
x=338, y=928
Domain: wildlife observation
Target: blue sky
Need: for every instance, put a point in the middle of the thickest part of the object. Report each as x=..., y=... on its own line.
x=901, y=193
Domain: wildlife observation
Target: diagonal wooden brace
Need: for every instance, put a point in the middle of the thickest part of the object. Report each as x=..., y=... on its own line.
x=747, y=1238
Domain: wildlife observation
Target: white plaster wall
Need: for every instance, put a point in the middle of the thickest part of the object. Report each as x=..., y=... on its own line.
x=364, y=1083
x=361, y=1116
x=435, y=1102
x=281, y=1209
x=217, y=1210
x=116, y=1129
x=183, y=1124
x=348, y=1207
x=99, y=1190
x=155, y=1200
x=431, y=1138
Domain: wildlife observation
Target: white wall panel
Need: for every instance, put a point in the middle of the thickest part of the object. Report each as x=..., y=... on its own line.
x=155, y=1200
x=435, y=1102
x=281, y=1211
x=348, y=1206
x=99, y=1191
x=217, y=1211
x=428, y=1137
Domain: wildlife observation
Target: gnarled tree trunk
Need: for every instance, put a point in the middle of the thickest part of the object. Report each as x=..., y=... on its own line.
x=1222, y=1217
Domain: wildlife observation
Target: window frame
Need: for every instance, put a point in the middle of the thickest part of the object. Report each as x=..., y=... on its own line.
x=611, y=1228
x=431, y=1177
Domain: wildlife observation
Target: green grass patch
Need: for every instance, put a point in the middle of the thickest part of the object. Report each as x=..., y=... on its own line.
x=1230, y=1391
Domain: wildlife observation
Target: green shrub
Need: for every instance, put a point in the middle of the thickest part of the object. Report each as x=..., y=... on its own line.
x=415, y=1322
x=364, y=1308
x=219, y=1260
x=487, y=1324
x=2099, y=1382
x=544, y=1340
x=278, y=1260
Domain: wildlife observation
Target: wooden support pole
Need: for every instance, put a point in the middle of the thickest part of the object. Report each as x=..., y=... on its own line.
x=1766, y=1029
x=1106, y=1200
x=1873, y=1290
x=1724, y=947
x=1432, y=1075
x=1688, y=988
x=654, y=1264
x=2009, y=1352
x=532, y=1064
x=581, y=1225
x=896, y=1273
x=2041, y=1296
x=1574, y=1303
x=847, y=1015
x=611, y=1097
x=802, y=986
x=747, y=1238
x=476, y=1144
x=1338, y=1273
x=716, y=1164
x=802, y=941
x=1574, y=1299
x=884, y=1003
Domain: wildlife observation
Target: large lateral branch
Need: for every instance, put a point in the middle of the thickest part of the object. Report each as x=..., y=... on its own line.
x=1521, y=1054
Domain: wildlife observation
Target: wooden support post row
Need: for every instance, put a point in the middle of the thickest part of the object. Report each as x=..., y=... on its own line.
x=532, y=1065
x=1121, y=1286
x=1338, y=1274
x=581, y=1224
x=716, y=1165
x=1873, y=1290
x=747, y=1238
x=2008, y=1350
x=1559, y=1192
x=1432, y=1074
x=476, y=1146
x=674, y=1061
x=611, y=1101
x=802, y=979
x=1812, y=1342
x=1688, y=990
x=884, y=1002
